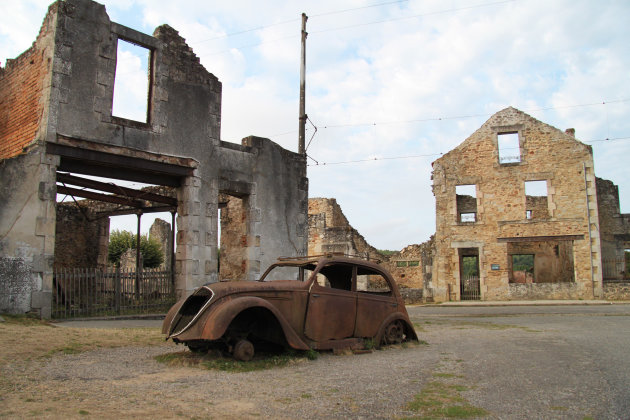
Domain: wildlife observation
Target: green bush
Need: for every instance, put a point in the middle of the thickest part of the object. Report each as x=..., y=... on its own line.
x=122, y=240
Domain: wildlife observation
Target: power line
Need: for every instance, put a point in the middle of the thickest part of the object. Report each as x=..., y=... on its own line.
x=413, y=16
x=347, y=26
x=358, y=8
x=284, y=22
x=456, y=117
x=464, y=116
x=374, y=159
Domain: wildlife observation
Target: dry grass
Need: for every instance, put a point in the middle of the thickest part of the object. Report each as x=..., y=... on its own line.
x=25, y=339
x=26, y=342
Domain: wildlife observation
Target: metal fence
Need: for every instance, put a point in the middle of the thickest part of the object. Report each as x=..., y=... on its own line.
x=470, y=289
x=87, y=292
x=615, y=269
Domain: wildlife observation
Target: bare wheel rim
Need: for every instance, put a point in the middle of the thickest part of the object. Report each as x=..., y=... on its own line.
x=394, y=333
x=243, y=350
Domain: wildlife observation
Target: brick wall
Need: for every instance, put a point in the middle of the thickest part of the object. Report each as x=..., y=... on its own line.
x=22, y=94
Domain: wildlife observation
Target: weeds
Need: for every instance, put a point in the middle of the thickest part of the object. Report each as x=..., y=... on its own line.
x=227, y=364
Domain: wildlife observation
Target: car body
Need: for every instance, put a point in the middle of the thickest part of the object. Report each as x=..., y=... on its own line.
x=322, y=302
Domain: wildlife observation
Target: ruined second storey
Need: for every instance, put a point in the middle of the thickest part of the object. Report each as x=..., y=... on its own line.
x=517, y=214
x=58, y=124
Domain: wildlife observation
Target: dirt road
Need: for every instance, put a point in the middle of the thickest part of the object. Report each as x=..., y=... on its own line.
x=548, y=364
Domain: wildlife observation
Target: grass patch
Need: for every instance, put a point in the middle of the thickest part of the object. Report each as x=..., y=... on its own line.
x=369, y=344
x=26, y=320
x=460, y=325
x=209, y=361
x=442, y=400
x=27, y=338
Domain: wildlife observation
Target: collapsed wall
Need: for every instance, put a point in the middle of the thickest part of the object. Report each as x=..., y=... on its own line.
x=57, y=121
x=330, y=231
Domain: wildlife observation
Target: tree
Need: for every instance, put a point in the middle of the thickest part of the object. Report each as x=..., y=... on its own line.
x=122, y=240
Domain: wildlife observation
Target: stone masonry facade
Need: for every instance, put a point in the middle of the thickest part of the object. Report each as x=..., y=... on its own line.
x=56, y=118
x=524, y=246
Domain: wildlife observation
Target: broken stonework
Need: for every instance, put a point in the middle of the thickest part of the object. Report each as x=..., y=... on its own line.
x=330, y=231
x=56, y=124
x=517, y=246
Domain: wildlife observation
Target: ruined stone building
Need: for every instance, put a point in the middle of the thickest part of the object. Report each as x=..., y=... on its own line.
x=519, y=215
x=56, y=126
x=330, y=231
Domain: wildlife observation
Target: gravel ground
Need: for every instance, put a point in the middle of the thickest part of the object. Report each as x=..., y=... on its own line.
x=516, y=367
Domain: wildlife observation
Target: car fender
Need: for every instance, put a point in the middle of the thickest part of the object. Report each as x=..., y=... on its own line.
x=166, y=323
x=391, y=318
x=218, y=319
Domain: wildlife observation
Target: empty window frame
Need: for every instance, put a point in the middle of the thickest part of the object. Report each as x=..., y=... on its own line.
x=466, y=203
x=536, y=201
x=522, y=268
x=509, y=148
x=369, y=281
x=132, y=82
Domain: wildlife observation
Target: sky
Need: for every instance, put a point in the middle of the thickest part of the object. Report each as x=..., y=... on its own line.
x=392, y=85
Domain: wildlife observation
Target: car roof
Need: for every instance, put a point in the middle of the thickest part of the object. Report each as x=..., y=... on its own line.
x=331, y=258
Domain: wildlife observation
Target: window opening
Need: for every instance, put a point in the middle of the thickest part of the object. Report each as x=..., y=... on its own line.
x=336, y=276
x=541, y=262
x=509, y=148
x=523, y=268
x=132, y=82
x=466, y=203
x=536, y=201
x=369, y=281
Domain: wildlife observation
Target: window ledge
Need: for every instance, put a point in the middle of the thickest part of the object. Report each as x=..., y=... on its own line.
x=131, y=123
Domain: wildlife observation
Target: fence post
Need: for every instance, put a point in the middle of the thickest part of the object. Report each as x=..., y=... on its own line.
x=117, y=289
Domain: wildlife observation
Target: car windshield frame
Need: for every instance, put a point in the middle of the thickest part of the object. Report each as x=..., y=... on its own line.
x=303, y=266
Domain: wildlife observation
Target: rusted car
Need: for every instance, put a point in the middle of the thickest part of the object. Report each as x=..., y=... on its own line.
x=322, y=303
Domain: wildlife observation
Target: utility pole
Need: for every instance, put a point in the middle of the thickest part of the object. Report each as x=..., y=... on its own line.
x=301, y=140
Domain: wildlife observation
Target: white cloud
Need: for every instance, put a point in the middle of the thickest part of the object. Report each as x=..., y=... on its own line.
x=469, y=59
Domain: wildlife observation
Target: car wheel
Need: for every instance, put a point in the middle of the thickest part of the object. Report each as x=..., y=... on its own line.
x=394, y=333
x=243, y=350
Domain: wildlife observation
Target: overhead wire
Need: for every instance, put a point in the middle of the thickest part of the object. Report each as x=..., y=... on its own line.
x=374, y=159
x=296, y=35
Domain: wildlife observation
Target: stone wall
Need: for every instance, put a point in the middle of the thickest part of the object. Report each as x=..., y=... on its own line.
x=81, y=237
x=617, y=290
x=411, y=267
x=502, y=227
x=614, y=226
x=330, y=231
x=66, y=116
x=233, y=241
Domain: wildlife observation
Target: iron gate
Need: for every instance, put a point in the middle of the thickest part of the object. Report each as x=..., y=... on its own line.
x=87, y=292
x=469, y=289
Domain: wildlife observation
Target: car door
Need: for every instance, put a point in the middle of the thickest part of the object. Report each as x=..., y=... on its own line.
x=332, y=304
x=375, y=301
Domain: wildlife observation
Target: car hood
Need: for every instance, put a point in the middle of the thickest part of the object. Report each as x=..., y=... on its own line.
x=186, y=312
x=230, y=287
